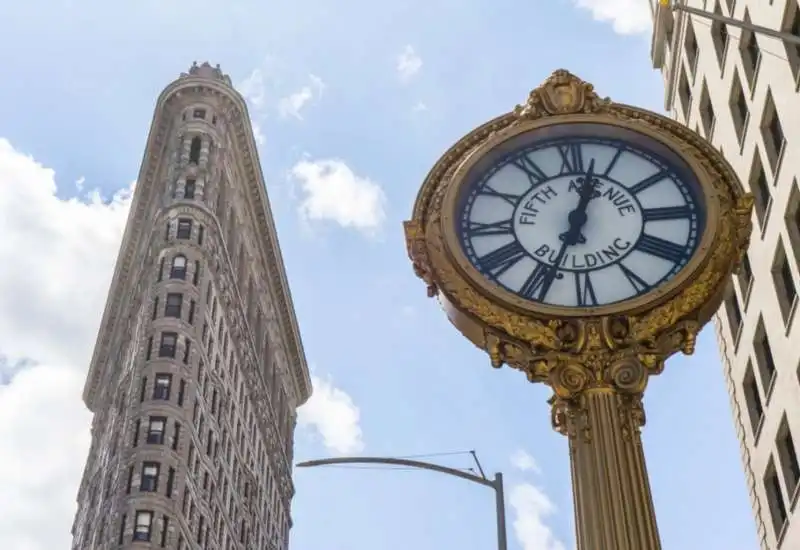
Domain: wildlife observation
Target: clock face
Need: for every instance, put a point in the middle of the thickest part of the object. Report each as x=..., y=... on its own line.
x=582, y=220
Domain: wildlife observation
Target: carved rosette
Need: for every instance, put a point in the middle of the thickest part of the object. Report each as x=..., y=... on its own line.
x=616, y=349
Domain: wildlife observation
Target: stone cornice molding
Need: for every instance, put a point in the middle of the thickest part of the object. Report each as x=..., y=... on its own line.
x=148, y=186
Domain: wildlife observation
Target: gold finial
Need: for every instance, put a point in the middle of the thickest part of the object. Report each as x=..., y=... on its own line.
x=562, y=93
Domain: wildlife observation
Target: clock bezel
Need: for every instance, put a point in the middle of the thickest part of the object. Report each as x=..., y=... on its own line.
x=461, y=180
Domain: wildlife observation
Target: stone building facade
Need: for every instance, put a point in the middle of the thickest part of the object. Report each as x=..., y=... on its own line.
x=739, y=89
x=198, y=367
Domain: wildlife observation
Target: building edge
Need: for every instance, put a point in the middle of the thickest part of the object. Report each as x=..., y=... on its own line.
x=119, y=292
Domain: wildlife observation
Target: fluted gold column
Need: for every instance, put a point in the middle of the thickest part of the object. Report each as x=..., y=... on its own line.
x=613, y=504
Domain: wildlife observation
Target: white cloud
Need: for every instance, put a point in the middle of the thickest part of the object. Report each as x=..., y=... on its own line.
x=57, y=257
x=626, y=16
x=332, y=191
x=252, y=88
x=523, y=461
x=79, y=183
x=408, y=64
x=293, y=104
x=332, y=413
x=258, y=135
x=531, y=506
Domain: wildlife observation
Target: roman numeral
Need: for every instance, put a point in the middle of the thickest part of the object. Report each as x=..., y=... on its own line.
x=585, y=290
x=571, y=158
x=656, y=246
x=531, y=169
x=613, y=162
x=638, y=284
x=666, y=213
x=510, y=198
x=478, y=229
x=648, y=182
x=534, y=286
x=502, y=259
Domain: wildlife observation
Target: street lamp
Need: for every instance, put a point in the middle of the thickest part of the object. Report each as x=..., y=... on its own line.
x=496, y=483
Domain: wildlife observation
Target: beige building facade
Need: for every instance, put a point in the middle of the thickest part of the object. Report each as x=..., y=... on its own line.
x=198, y=367
x=740, y=91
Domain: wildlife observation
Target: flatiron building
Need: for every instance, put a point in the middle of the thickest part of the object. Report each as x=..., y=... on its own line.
x=198, y=367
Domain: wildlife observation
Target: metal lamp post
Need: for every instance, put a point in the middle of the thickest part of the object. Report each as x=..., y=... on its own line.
x=496, y=484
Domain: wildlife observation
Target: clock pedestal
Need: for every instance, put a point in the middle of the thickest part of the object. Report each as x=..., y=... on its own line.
x=613, y=504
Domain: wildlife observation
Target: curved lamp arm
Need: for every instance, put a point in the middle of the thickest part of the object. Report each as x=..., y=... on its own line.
x=496, y=483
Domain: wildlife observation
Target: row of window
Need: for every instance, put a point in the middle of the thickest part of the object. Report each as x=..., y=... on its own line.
x=184, y=230
x=178, y=267
x=168, y=347
x=162, y=388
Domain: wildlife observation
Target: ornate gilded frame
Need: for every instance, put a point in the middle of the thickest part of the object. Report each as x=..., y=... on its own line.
x=526, y=335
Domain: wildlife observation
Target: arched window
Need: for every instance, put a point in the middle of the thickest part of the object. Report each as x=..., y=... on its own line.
x=194, y=150
x=178, y=270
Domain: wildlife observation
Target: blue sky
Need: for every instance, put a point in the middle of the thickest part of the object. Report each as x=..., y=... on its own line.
x=353, y=103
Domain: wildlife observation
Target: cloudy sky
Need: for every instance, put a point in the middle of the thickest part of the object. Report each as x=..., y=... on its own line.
x=352, y=102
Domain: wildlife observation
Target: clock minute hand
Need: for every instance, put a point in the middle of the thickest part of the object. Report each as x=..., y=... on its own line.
x=577, y=219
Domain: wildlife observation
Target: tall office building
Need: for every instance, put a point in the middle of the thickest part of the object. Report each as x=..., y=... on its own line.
x=739, y=90
x=198, y=366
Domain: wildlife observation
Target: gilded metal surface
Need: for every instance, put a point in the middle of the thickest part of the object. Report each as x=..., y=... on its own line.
x=573, y=350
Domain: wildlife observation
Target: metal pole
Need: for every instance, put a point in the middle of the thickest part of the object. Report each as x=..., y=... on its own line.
x=784, y=36
x=496, y=483
x=500, y=501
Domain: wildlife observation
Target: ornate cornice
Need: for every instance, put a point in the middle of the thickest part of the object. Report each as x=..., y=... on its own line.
x=148, y=186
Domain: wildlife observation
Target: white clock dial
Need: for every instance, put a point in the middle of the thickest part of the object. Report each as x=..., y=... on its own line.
x=580, y=222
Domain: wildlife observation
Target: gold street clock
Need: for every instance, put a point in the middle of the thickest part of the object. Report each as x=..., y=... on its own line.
x=578, y=230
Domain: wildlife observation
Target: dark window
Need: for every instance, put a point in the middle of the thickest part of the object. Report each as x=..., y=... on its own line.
x=178, y=269
x=144, y=525
x=149, y=481
x=164, y=530
x=777, y=507
x=184, y=229
x=174, y=305
x=181, y=392
x=753, y=398
x=186, y=350
x=194, y=150
x=192, y=306
x=149, y=351
x=200, y=233
x=176, y=435
x=196, y=277
x=788, y=457
x=760, y=188
x=136, y=427
x=160, y=270
x=188, y=190
x=161, y=389
x=765, y=361
x=169, y=341
x=155, y=308
x=199, y=113
x=170, y=482
x=166, y=233
x=130, y=480
x=143, y=389
x=155, y=430
x=121, y=537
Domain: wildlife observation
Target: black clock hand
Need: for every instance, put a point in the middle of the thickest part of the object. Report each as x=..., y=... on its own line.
x=577, y=218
